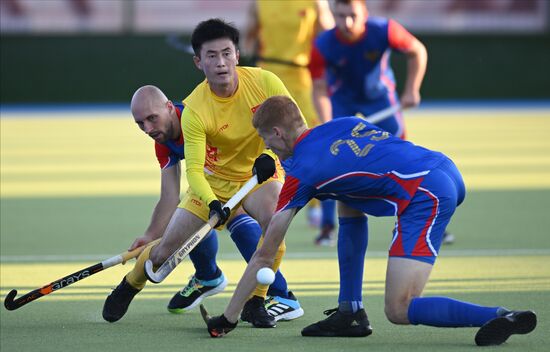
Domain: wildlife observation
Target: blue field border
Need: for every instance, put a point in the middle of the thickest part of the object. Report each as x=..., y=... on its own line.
x=537, y=104
x=47, y=109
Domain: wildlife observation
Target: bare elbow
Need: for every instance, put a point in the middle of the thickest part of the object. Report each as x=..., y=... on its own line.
x=319, y=84
x=171, y=200
x=418, y=51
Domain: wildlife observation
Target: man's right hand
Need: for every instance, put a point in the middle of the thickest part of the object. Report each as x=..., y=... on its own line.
x=219, y=326
x=217, y=209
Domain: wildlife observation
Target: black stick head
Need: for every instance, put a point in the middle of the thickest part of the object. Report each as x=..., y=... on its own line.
x=150, y=272
x=205, y=316
x=9, y=301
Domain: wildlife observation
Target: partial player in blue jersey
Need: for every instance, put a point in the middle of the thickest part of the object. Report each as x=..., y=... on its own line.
x=351, y=72
x=370, y=172
x=160, y=119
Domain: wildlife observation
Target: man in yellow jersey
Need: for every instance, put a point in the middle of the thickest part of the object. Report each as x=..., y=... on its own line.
x=280, y=35
x=222, y=149
x=160, y=119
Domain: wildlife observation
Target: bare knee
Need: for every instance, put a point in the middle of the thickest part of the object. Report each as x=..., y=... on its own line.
x=405, y=279
x=397, y=311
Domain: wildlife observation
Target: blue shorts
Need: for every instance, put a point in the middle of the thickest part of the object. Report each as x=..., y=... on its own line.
x=419, y=228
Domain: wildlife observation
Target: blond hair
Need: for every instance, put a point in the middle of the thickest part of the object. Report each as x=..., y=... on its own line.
x=280, y=111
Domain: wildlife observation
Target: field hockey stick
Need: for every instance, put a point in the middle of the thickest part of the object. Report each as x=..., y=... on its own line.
x=204, y=313
x=12, y=303
x=383, y=114
x=177, y=257
x=175, y=43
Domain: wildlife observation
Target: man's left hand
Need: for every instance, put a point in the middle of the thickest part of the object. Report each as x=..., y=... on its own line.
x=410, y=99
x=264, y=167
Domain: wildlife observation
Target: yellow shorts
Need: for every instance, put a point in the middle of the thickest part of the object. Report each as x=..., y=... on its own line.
x=224, y=190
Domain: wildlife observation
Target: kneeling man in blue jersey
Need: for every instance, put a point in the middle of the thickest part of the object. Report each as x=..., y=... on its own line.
x=370, y=172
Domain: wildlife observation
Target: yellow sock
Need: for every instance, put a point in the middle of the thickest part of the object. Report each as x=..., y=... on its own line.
x=137, y=277
x=261, y=290
x=314, y=203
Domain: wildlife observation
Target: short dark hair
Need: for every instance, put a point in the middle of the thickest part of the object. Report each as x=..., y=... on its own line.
x=214, y=28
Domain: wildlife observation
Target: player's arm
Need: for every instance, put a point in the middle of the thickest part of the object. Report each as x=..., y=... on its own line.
x=417, y=60
x=293, y=196
x=321, y=100
x=325, y=20
x=166, y=205
x=263, y=257
x=195, y=155
x=251, y=31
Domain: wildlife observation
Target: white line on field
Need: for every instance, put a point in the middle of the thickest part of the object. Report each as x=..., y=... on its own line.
x=289, y=255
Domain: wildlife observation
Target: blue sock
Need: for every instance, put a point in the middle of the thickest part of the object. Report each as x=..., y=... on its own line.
x=448, y=312
x=329, y=213
x=204, y=258
x=246, y=233
x=353, y=238
x=347, y=307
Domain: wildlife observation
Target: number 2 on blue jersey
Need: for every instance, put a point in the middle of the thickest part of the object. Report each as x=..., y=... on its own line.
x=358, y=132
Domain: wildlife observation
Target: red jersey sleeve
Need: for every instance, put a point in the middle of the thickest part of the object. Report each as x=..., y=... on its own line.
x=398, y=37
x=316, y=63
x=163, y=155
x=288, y=192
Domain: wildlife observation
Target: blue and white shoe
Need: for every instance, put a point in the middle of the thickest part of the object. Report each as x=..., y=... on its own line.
x=284, y=308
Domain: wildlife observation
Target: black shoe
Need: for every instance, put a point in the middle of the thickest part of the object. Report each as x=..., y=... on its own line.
x=339, y=324
x=326, y=236
x=498, y=330
x=118, y=301
x=193, y=294
x=254, y=312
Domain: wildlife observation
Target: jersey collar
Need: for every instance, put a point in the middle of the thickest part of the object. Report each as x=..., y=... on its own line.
x=301, y=137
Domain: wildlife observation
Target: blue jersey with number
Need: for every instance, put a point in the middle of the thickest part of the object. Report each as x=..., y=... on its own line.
x=358, y=163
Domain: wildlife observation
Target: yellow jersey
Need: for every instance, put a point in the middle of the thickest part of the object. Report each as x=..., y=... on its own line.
x=288, y=27
x=287, y=31
x=219, y=137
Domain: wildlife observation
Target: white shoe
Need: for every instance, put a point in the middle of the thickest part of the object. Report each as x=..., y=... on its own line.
x=284, y=308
